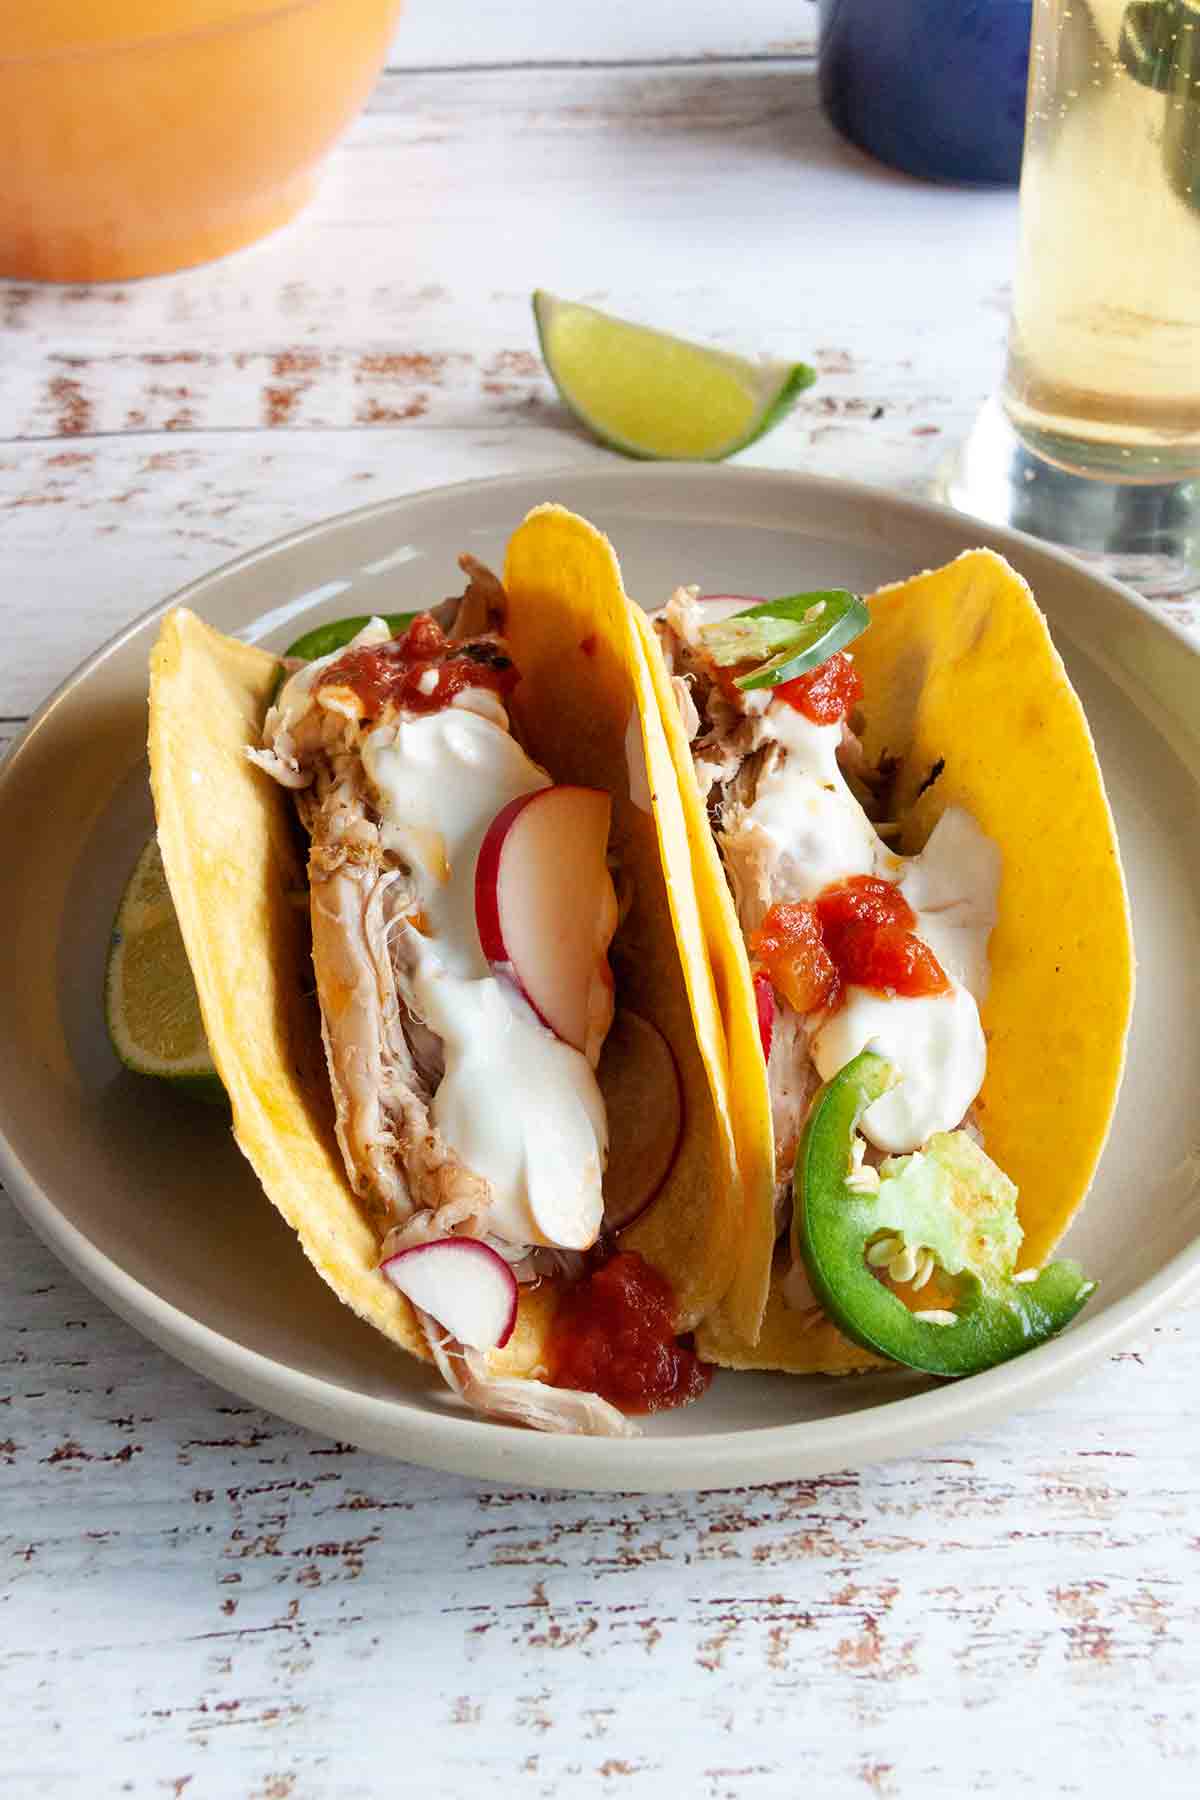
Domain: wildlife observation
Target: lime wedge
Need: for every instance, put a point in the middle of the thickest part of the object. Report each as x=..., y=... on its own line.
x=150, y=1003
x=651, y=395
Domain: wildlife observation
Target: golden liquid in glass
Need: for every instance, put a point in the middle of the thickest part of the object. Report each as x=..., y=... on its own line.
x=1103, y=371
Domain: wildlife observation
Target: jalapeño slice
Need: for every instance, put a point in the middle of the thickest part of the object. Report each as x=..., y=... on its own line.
x=994, y=1317
x=795, y=633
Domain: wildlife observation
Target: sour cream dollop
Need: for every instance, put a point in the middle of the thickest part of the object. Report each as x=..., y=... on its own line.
x=816, y=834
x=519, y=1106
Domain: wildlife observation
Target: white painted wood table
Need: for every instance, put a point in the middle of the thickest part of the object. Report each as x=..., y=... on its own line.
x=202, y=1600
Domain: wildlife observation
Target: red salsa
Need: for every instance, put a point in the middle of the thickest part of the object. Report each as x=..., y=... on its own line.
x=789, y=949
x=423, y=670
x=856, y=933
x=614, y=1335
x=764, y=1006
x=869, y=930
x=827, y=693
x=862, y=900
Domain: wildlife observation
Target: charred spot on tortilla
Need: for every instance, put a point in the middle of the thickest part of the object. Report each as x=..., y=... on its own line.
x=934, y=773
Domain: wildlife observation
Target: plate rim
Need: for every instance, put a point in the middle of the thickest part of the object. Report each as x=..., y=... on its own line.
x=460, y=1443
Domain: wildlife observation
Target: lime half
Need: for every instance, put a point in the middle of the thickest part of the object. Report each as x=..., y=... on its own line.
x=150, y=1002
x=651, y=395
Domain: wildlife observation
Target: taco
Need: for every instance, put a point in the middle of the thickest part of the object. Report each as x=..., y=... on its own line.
x=500, y=1126
x=910, y=882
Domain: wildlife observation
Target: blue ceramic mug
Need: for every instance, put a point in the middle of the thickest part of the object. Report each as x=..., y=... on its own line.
x=934, y=87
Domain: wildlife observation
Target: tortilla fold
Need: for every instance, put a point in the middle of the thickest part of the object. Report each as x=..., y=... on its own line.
x=572, y=633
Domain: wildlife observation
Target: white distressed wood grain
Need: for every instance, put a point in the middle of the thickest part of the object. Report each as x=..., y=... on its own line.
x=201, y=1600
x=199, y=1594
x=403, y=293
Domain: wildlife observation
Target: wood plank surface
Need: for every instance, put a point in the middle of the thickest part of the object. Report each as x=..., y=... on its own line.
x=226, y=1602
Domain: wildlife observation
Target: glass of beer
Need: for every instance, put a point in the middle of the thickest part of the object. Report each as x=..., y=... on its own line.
x=1094, y=439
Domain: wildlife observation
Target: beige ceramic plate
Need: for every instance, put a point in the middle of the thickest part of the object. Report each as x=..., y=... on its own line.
x=144, y=1196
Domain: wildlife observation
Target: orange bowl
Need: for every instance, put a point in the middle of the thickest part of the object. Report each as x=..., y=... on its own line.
x=174, y=132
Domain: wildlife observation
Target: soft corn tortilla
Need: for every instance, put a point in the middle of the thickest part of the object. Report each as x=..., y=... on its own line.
x=743, y=1305
x=959, y=670
x=234, y=861
x=959, y=665
x=234, y=864
x=586, y=708
x=795, y=1343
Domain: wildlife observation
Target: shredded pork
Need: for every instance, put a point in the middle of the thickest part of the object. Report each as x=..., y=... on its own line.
x=385, y=1063
x=732, y=750
x=518, y=1398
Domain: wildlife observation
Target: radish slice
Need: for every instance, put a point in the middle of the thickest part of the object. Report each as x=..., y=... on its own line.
x=644, y=1100
x=545, y=908
x=463, y=1284
x=764, y=1001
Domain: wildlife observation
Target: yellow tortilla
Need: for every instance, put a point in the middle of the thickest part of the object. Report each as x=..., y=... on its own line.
x=958, y=667
x=804, y=1343
x=741, y=1308
x=234, y=864
x=583, y=708
x=959, y=664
